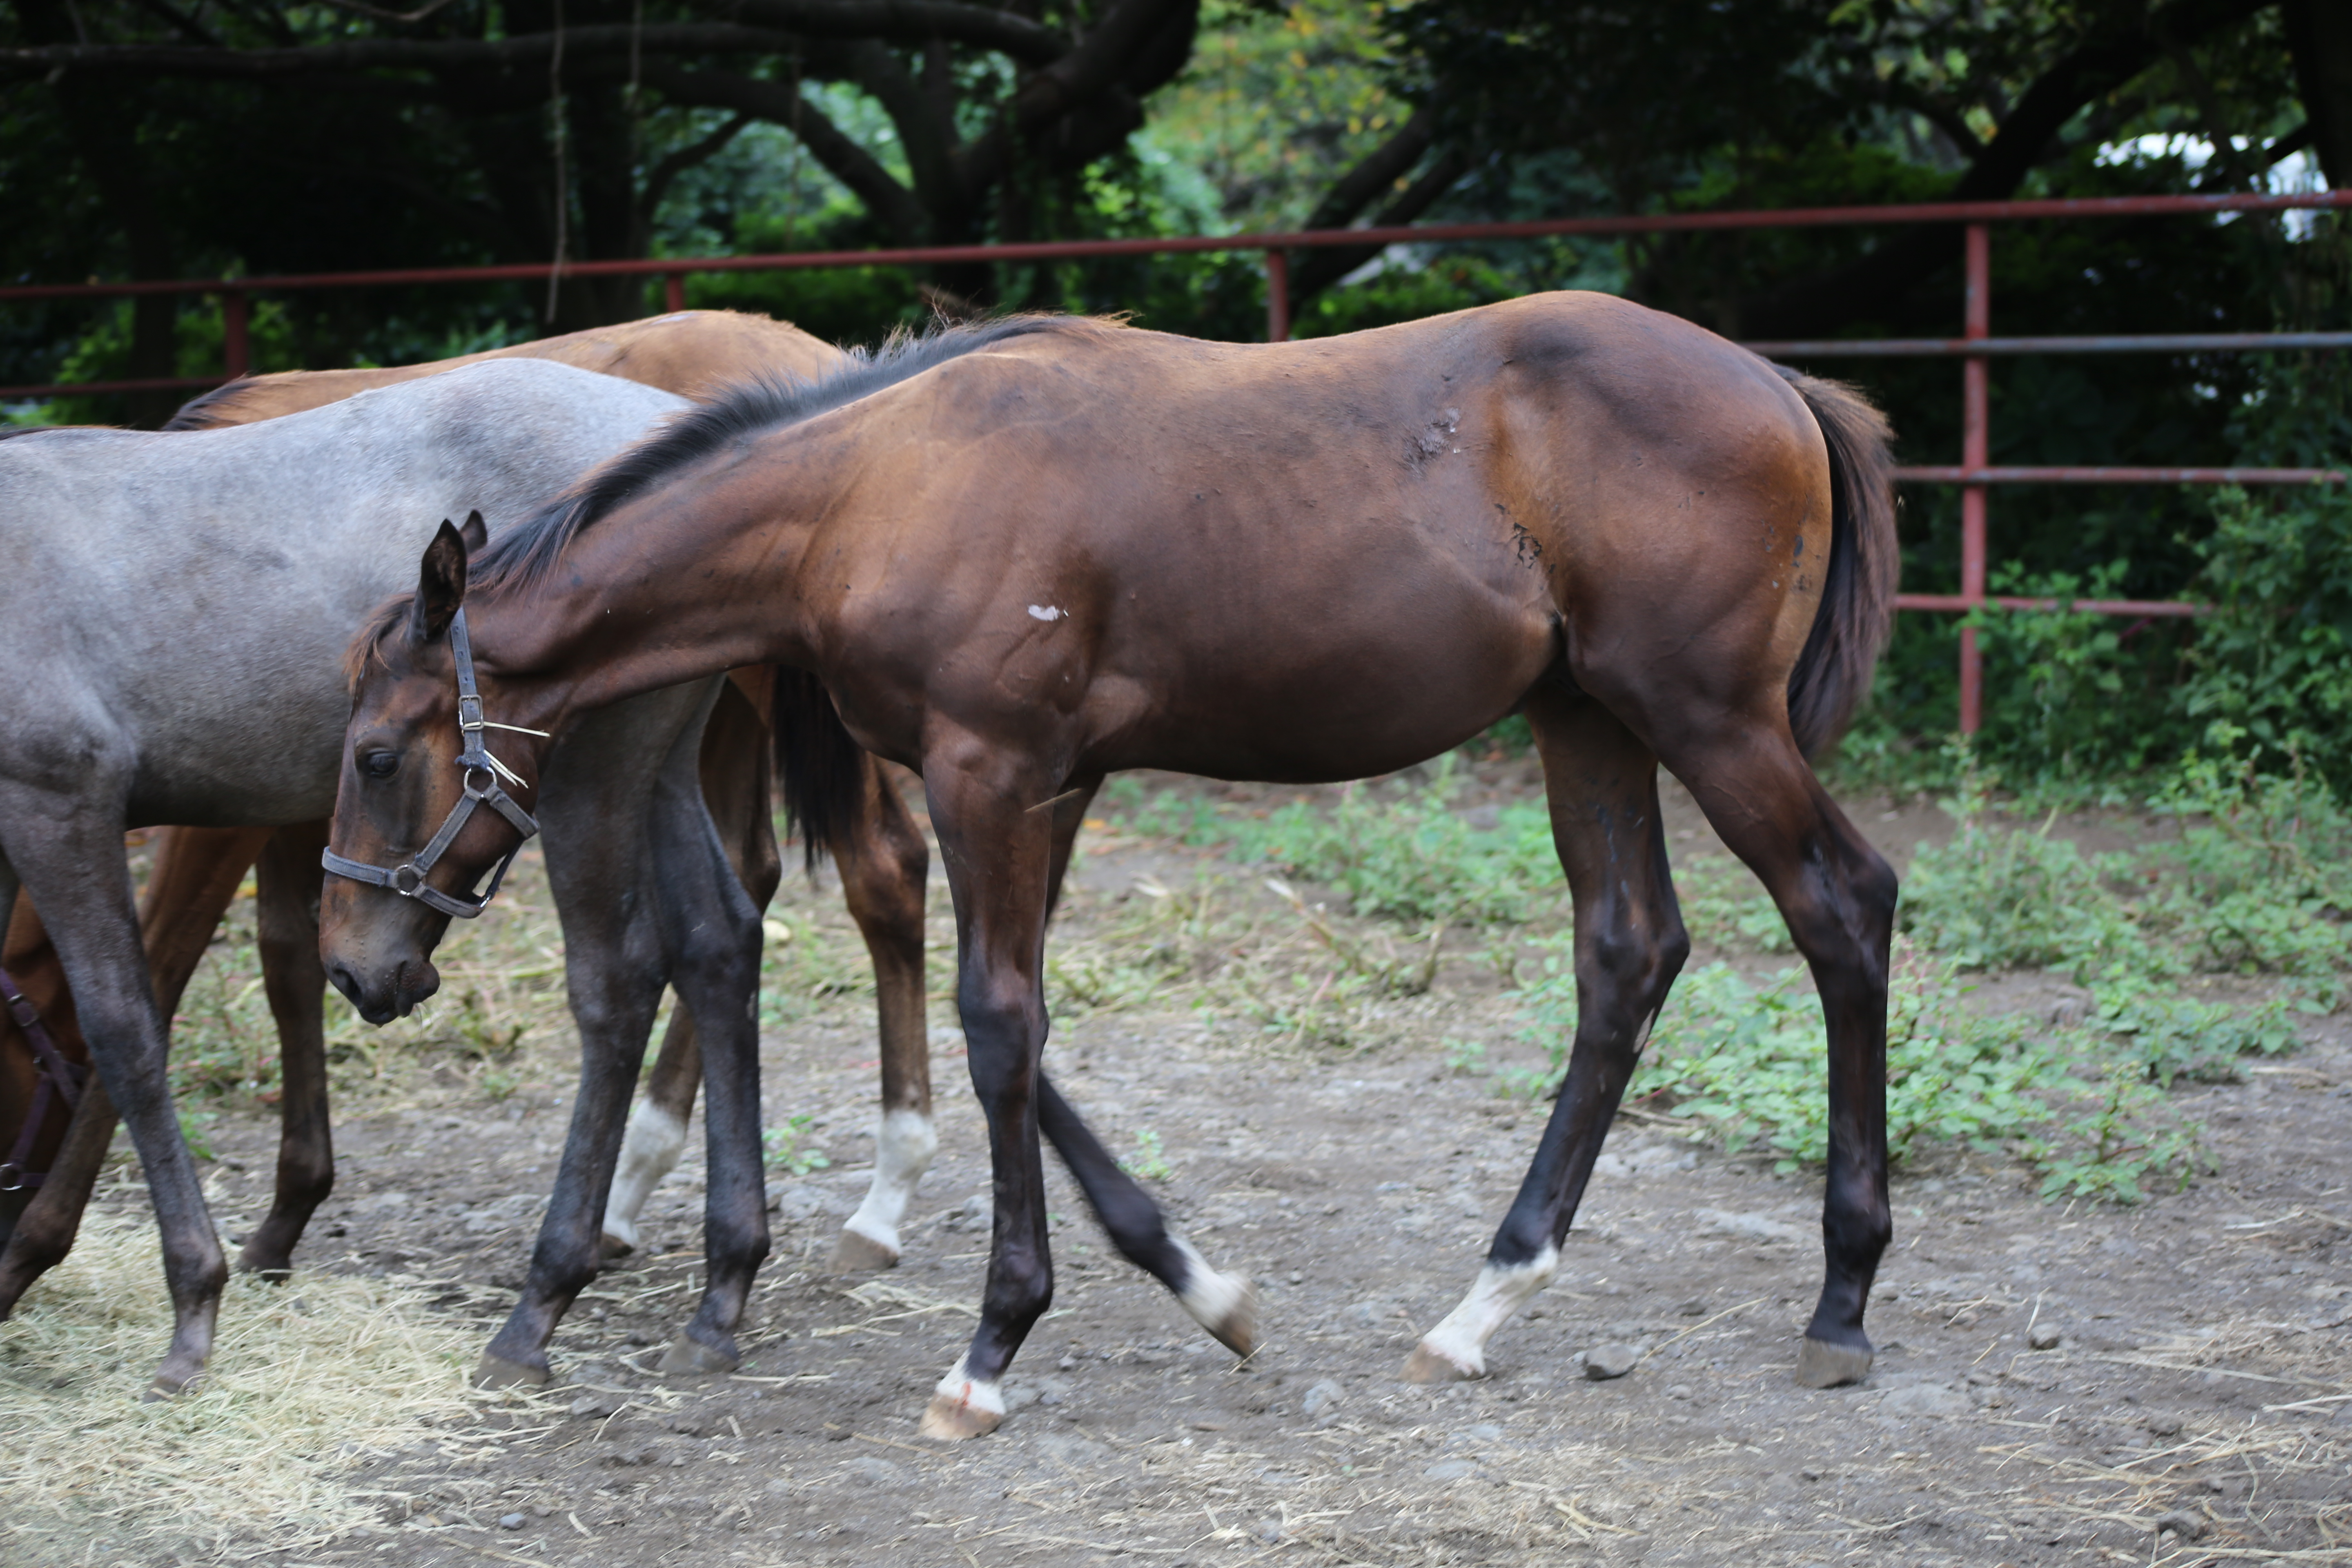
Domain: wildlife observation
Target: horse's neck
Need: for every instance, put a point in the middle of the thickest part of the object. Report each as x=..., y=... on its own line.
x=689, y=583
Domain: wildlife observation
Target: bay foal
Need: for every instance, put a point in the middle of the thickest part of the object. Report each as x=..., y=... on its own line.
x=1024, y=555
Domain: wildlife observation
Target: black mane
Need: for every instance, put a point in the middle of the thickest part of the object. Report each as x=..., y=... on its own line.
x=525, y=554
x=196, y=413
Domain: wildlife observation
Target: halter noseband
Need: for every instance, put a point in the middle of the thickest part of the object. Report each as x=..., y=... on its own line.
x=481, y=788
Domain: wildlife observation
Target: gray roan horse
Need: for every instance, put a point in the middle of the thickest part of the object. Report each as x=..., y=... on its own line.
x=175, y=624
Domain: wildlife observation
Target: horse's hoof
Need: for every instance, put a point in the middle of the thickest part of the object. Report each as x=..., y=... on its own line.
x=950, y=1420
x=612, y=1247
x=859, y=1253
x=274, y=1267
x=497, y=1371
x=690, y=1357
x=170, y=1382
x=1428, y=1365
x=1237, y=1329
x=1820, y=1365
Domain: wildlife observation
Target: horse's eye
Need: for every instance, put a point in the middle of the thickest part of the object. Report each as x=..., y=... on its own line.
x=380, y=764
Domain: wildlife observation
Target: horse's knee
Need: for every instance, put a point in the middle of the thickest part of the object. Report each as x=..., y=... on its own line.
x=1856, y=1220
x=305, y=1178
x=1004, y=1023
x=1626, y=972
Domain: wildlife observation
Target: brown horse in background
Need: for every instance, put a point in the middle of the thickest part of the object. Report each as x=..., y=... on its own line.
x=1025, y=555
x=197, y=873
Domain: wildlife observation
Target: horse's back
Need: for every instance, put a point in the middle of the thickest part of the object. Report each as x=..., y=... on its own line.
x=181, y=572
x=692, y=353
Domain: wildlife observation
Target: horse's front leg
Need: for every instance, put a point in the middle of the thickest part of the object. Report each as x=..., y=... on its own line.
x=998, y=853
x=614, y=970
x=196, y=876
x=70, y=858
x=711, y=929
x=736, y=785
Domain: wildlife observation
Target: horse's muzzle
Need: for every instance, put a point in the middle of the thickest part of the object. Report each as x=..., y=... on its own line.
x=387, y=995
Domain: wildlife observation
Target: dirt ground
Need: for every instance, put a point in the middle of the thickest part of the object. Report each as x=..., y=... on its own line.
x=2196, y=1404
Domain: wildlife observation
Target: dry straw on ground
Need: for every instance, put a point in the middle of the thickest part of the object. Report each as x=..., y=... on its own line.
x=308, y=1378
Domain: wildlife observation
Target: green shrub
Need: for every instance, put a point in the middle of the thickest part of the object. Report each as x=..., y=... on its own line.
x=2174, y=1036
x=1744, y=1065
x=1998, y=898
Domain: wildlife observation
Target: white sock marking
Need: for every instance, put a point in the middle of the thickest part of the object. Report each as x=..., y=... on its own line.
x=1209, y=1296
x=960, y=1387
x=649, y=1151
x=903, y=1146
x=1461, y=1337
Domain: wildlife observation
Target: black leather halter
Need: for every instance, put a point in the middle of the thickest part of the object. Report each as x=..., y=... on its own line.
x=482, y=787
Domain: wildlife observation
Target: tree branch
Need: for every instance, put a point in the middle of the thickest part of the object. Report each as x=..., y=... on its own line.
x=912, y=22
x=1118, y=53
x=396, y=54
x=1383, y=167
x=678, y=162
x=2092, y=69
x=780, y=103
x=929, y=141
x=1326, y=265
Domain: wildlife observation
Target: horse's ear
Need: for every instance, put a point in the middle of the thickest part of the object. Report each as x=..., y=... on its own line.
x=476, y=533
x=440, y=586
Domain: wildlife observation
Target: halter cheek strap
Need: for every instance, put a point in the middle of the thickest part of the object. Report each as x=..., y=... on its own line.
x=482, y=787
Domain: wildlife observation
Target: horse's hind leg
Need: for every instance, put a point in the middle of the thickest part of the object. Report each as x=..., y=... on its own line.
x=1602, y=786
x=1225, y=1304
x=296, y=982
x=1838, y=897
x=883, y=864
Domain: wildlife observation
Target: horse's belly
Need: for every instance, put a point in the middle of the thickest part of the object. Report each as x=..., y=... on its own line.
x=1340, y=696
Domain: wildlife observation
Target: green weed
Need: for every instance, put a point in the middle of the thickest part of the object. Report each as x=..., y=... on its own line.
x=784, y=1148
x=1408, y=855
x=1998, y=898
x=1724, y=906
x=1744, y=1065
x=2174, y=1036
x=1149, y=1162
x=2129, y=1134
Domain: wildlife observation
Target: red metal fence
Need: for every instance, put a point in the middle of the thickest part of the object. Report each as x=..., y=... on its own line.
x=1977, y=346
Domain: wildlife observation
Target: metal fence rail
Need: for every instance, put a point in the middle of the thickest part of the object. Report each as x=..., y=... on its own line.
x=1977, y=345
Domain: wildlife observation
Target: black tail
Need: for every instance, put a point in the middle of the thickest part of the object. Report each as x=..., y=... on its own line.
x=821, y=769
x=1832, y=675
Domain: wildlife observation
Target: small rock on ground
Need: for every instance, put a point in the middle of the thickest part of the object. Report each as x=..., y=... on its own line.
x=1602, y=1363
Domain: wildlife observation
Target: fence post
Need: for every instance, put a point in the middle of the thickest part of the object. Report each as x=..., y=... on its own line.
x=1975, y=449
x=672, y=292
x=237, y=356
x=1278, y=297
